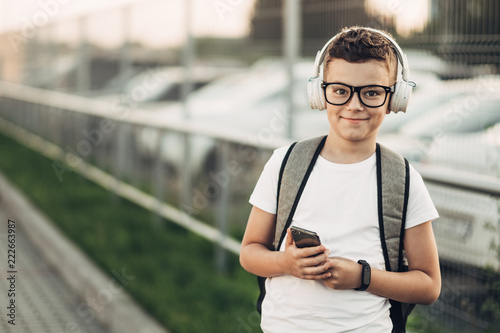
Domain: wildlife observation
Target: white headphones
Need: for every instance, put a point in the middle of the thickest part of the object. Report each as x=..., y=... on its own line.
x=402, y=91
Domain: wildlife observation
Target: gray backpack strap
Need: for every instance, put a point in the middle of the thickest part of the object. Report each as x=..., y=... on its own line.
x=393, y=183
x=293, y=177
x=393, y=186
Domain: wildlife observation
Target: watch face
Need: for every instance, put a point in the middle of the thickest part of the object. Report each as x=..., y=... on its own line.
x=366, y=275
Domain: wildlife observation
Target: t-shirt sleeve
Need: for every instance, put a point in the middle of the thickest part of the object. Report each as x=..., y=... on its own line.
x=420, y=206
x=265, y=191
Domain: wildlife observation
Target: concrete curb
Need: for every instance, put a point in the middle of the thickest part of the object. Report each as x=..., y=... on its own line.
x=103, y=297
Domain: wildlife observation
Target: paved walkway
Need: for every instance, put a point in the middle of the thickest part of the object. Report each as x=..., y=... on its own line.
x=43, y=301
x=53, y=285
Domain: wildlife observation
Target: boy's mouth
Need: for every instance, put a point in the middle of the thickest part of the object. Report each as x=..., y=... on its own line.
x=354, y=120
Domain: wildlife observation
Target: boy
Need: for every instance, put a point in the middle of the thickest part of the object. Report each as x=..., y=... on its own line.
x=314, y=289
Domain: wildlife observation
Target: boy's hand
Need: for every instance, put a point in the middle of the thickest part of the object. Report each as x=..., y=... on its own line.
x=345, y=274
x=310, y=263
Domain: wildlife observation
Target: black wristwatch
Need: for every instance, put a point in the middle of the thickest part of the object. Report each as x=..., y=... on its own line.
x=366, y=275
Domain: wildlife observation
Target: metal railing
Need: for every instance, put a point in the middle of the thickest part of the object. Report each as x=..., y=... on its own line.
x=95, y=139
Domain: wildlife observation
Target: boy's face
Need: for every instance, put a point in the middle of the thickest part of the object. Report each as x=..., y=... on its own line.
x=354, y=121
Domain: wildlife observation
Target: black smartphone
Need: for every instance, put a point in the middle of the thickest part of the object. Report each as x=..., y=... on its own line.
x=304, y=237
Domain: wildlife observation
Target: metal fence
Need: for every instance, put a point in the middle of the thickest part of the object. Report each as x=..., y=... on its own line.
x=200, y=176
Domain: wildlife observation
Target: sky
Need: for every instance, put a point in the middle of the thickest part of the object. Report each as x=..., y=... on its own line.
x=162, y=22
x=409, y=15
x=154, y=22
x=14, y=13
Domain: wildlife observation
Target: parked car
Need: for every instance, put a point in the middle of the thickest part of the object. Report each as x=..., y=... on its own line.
x=156, y=87
x=459, y=106
x=250, y=103
x=465, y=114
x=477, y=152
x=426, y=99
x=468, y=230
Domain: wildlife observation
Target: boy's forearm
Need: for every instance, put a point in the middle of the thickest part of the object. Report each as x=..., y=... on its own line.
x=409, y=287
x=259, y=260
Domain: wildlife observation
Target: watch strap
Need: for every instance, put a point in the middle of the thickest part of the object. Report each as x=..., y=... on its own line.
x=365, y=275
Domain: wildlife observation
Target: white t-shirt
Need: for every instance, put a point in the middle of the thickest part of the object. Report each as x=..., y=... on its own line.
x=339, y=203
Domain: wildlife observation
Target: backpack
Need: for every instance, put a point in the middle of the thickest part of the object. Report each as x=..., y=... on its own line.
x=393, y=181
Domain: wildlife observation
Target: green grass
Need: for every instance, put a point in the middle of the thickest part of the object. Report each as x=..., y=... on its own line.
x=172, y=271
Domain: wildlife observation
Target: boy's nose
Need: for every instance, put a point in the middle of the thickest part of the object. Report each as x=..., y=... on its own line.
x=355, y=102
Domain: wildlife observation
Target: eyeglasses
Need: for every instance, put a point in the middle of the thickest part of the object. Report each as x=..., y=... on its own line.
x=372, y=96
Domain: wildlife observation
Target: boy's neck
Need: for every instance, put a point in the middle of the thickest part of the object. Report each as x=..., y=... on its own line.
x=341, y=151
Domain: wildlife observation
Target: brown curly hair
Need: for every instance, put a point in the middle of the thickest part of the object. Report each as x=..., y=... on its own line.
x=357, y=44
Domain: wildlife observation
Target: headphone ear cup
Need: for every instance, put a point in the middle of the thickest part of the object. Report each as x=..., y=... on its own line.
x=315, y=94
x=400, y=97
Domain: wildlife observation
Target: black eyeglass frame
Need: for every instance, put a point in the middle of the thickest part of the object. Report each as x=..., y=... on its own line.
x=354, y=89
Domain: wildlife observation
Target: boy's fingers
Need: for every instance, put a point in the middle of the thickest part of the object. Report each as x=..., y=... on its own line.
x=319, y=269
x=289, y=238
x=319, y=275
x=313, y=251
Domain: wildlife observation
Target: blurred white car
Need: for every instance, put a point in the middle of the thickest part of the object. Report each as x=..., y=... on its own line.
x=459, y=106
x=251, y=103
x=477, y=152
x=155, y=87
x=425, y=100
x=468, y=230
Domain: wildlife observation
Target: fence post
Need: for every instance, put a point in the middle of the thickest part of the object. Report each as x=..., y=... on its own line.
x=159, y=178
x=126, y=67
x=222, y=211
x=121, y=155
x=291, y=28
x=83, y=69
x=188, y=56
